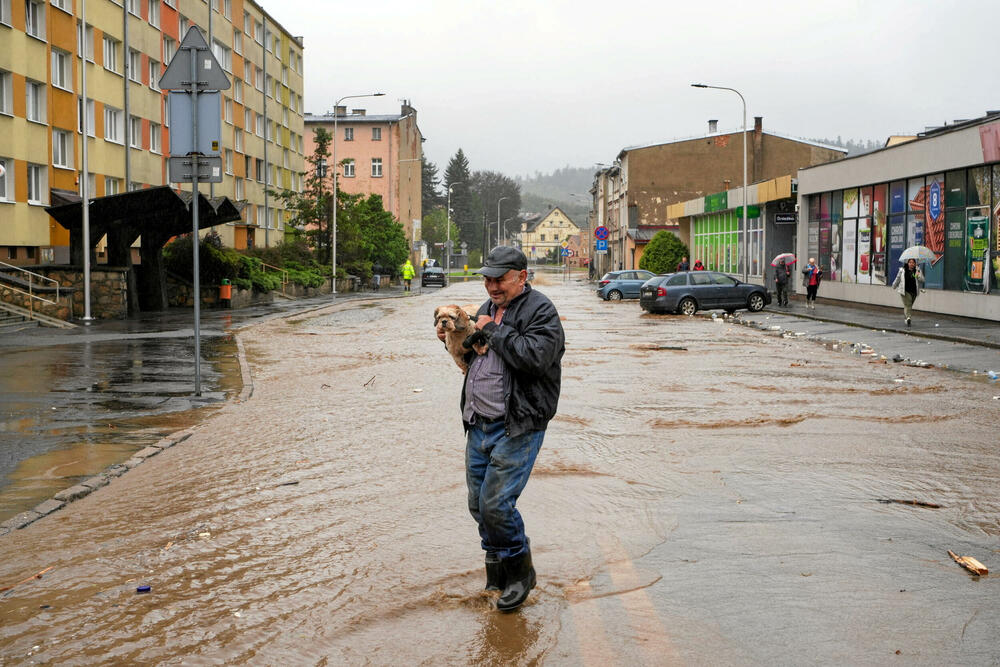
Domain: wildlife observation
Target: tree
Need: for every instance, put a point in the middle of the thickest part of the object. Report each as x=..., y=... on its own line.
x=435, y=228
x=367, y=235
x=492, y=188
x=463, y=210
x=430, y=198
x=663, y=252
x=311, y=214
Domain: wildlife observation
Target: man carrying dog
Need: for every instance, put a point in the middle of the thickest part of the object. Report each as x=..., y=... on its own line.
x=510, y=394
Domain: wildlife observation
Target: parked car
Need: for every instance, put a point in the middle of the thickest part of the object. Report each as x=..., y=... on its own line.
x=687, y=292
x=433, y=275
x=618, y=285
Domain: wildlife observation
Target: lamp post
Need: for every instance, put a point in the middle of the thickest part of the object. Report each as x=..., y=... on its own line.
x=447, y=245
x=746, y=231
x=336, y=168
x=498, y=220
x=501, y=241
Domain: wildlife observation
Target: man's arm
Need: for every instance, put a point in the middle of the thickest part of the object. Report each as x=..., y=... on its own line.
x=534, y=350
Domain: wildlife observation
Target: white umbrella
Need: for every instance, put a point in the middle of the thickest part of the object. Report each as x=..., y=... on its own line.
x=918, y=252
x=788, y=258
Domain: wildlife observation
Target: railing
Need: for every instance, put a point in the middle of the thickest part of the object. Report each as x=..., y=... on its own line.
x=283, y=272
x=4, y=267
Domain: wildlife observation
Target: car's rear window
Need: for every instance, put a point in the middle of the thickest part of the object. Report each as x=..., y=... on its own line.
x=678, y=279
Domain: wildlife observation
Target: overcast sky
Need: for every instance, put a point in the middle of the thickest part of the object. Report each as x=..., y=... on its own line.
x=533, y=86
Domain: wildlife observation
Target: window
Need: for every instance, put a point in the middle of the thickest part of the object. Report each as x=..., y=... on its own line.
x=267, y=84
x=376, y=134
x=112, y=186
x=7, y=176
x=238, y=140
x=238, y=90
x=247, y=23
x=84, y=38
x=154, y=137
x=284, y=75
x=61, y=4
x=238, y=41
x=6, y=90
x=270, y=131
x=34, y=18
x=133, y=186
x=169, y=48
x=154, y=74
x=258, y=32
x=223, y=54
x=284, y=161
x=62, y=149
x=5, y=11
x=238, y=189
x=229, y=161
x=133, y=7
x=348, y=168
x=36, y=183
x=185, y=25
x=248, y=120
x=259, y=170
x=246, y=165
x=34, y=98
x=60, y=69
x=170, y=3
x=259, y=123
x=135, y=132
x=227, y=110
x=111, y=54
x=348, y=134
x=376, y=167
x=134, y=66
x=258, y=78
x=267, y=39
x=166, y=115
x=90, y=116
x=284, y=116
x=113, y=124
x=227, y=8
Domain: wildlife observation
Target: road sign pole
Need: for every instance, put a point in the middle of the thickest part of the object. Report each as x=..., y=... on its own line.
x=194, y=223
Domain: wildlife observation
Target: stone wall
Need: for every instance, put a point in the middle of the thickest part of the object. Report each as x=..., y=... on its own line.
x=108, y=293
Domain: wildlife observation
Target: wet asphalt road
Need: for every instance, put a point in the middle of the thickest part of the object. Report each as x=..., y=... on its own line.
x=707, y=494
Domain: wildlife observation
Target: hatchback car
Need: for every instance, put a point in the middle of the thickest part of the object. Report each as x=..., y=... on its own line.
x=618, y=285
x=687, y=292
x=433, y=275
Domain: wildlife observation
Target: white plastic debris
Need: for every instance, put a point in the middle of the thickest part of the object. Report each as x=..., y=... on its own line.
x=417, y=391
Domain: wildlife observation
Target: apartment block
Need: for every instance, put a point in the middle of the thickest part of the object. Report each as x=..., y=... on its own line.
x=378, y=154
x=126, y=45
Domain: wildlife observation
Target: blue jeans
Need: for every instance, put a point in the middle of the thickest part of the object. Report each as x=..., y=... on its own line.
x=496, y=471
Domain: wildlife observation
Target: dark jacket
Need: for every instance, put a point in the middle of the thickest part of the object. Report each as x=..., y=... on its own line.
x=531, y=343
x=781, y=274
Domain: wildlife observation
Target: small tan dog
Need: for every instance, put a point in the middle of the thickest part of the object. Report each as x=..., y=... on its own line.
x=457, y=324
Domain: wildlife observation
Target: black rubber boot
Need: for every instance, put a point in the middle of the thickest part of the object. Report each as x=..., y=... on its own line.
x=495, y=576
x=520, y=580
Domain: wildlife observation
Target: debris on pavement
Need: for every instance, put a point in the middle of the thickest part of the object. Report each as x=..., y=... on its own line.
x=918, y=503
x=23, y=581
x=969, y=563
x=142, y=589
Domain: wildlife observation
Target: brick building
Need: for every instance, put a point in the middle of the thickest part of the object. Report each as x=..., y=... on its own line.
x=631, y=196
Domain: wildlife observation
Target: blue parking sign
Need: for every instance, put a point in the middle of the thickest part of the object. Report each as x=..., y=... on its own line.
x=602, y=244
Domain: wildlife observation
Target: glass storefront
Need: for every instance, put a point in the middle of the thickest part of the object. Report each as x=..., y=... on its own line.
x=717, y=242
x=859, y=233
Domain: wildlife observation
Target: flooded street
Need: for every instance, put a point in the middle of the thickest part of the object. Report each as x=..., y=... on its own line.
x=706, y=495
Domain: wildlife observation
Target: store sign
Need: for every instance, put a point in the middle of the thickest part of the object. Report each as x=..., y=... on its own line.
x=785, y=218
x=716, y=202
x=977, y=233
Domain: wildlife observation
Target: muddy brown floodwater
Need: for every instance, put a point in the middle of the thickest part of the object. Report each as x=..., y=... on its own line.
x=709, y=505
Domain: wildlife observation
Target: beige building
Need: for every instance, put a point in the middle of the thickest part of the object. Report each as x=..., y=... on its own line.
x=378, y=154
x=126, y=45
x=543, y=234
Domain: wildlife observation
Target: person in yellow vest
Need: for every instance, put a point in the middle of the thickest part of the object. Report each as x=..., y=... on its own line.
x=408, y=274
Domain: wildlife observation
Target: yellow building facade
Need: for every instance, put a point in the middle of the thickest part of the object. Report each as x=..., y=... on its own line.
x=126, y=45
x=539, y=237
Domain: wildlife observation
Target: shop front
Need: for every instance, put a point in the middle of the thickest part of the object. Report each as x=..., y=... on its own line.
x=939, y=191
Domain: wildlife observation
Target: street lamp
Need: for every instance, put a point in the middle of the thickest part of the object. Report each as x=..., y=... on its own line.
x=746, y=231
x=500, y=241
x=447, y=246
x=336, y=168
x=498, y=220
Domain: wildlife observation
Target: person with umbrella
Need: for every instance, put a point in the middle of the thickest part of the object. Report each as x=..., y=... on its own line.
x=781, y=275
x=908, y=281
x=812, y=274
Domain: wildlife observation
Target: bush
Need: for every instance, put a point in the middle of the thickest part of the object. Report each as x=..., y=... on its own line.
x=663, y=253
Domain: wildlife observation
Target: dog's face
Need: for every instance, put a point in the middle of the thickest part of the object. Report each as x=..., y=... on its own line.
x=451, y=318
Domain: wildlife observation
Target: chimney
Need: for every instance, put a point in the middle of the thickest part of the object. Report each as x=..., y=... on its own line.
x=357, y=112
x=340, y=111
x=713, y=126
x=758, y=148
x=725, y=184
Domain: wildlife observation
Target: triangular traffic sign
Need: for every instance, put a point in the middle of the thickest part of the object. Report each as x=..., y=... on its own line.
x=209, y=72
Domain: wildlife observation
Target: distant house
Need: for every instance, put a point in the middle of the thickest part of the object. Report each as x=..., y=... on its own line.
x=541, y=234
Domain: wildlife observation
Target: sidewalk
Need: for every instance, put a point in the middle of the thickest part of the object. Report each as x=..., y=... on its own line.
x=965, y=330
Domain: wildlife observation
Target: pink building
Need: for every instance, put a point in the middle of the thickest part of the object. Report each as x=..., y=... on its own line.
x=380, y=155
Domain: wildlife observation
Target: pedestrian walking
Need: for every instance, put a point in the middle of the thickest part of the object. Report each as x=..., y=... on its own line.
x=408, y=273
x=781, y=276
x=698, y=266
x=684, y=264
x=909, y=281
x=812, y=275
x=510, y=394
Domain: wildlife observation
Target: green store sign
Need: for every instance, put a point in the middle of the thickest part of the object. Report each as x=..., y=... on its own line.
x=716, y=202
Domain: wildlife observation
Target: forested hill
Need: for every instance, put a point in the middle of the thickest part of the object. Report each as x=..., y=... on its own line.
x=853, y=147
x=541, y=192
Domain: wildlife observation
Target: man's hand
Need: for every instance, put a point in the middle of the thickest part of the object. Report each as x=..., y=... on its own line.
x=483, y=321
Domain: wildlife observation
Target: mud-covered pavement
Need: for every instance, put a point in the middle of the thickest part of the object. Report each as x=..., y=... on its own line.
x=716, y=504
